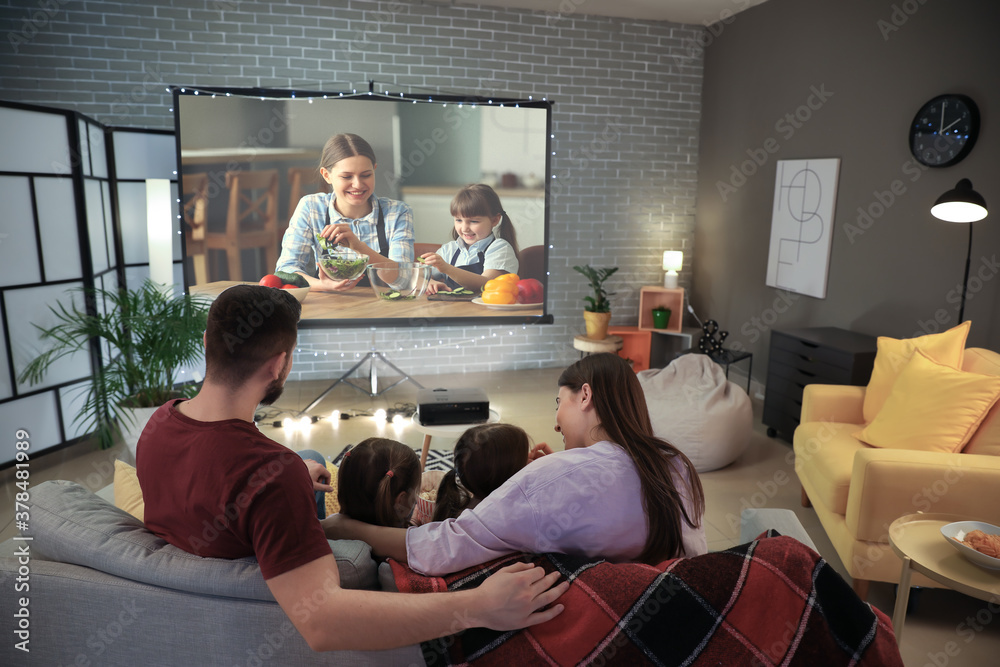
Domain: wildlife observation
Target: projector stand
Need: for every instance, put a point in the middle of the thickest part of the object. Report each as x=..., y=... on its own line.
x=372, y=389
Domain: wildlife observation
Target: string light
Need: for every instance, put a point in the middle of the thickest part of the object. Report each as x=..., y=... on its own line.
x=309, y=96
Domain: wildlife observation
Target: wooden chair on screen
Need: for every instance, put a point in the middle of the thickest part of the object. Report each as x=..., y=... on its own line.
x=423, y=248
x=302, y=181
x=194, y=214
x=251, y=219
x=532, y=263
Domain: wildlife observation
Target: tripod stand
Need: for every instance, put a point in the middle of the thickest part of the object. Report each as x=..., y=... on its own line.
x=372, y=389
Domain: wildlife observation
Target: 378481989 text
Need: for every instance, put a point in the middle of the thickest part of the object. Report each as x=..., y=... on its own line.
x=22, y=630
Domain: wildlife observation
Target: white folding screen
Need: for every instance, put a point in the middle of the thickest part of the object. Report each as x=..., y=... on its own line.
x=63, y=179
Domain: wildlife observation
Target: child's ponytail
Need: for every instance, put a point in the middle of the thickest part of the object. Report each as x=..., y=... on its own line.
x=451, y=500
x=371, y=476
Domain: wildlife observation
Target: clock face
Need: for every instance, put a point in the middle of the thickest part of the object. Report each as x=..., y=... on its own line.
x=944, y=130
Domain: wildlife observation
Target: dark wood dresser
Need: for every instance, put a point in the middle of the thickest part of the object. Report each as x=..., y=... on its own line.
x=820, y=355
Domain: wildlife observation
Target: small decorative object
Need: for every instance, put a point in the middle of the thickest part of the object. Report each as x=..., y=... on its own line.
x=673, y=261
x=508, y=180
x=597, y=313
x=708, y=343
x=944, y=130
x=962, y=205
x=661, y=316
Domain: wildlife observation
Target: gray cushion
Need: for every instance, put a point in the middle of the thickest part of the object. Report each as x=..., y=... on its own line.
x=72, y=525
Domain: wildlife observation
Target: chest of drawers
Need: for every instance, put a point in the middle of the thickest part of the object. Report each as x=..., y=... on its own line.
x=820, y=355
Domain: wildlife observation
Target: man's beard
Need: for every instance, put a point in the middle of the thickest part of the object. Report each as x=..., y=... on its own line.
x=273, y=392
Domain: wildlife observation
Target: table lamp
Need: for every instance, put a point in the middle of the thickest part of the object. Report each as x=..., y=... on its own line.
x=673, y=261
x=962, y=205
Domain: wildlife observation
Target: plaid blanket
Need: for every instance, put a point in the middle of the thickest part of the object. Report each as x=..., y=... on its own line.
x=772, y=601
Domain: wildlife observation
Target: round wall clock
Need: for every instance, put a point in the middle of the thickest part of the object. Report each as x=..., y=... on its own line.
x=944, y=130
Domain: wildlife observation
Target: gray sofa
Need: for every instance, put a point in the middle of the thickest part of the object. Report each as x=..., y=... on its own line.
x=106, y=591
x=103, y=590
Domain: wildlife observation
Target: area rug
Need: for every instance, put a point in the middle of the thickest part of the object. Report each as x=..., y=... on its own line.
x=437, y=459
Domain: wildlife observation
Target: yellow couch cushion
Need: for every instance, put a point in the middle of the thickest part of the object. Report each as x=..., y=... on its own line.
x=932, y=407
x=128, y=493
x=986, y=439
x=824, y=455
x=893, y=354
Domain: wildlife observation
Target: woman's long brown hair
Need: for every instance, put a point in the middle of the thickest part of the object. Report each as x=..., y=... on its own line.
x=621, y=409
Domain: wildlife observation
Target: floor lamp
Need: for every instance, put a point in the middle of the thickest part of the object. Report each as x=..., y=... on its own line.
x=964, y=205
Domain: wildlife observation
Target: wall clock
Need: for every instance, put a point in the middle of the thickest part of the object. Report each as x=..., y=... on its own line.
x=944, y=130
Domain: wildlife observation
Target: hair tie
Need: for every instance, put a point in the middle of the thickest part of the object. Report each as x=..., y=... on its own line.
x=388, y=473
x=346, y=454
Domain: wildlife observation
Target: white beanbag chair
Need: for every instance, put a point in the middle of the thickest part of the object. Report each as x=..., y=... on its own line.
x=694, y=408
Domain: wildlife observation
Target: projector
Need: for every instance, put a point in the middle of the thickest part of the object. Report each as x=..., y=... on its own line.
x=440, y=407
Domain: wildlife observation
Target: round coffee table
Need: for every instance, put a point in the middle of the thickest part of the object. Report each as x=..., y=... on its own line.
x=445, y=430
x=917, y=540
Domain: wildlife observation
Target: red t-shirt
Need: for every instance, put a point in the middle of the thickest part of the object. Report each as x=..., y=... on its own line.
x=224, y=490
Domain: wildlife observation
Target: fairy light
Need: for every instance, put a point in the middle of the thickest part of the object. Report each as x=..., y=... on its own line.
x=380, y=415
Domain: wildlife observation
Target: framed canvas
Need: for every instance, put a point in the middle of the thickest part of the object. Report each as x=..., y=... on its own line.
x=805, y=194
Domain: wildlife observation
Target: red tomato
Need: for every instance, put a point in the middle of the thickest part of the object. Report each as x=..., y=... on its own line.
x=270, y=280
x=289, y=287
x=529, y=290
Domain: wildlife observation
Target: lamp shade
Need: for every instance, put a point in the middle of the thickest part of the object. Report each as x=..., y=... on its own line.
x=962, y=204
x=673, y=260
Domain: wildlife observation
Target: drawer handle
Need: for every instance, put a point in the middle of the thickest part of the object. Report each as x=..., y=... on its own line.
x=807, y=373
x=807, y=344
x=798, y=403
x=805, y=358
x=800, y=385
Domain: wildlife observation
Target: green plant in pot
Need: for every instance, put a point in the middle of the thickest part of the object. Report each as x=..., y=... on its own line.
x=150, y=335
x=597, y=313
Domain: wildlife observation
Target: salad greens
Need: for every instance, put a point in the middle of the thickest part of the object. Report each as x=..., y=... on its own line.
x=339, y=268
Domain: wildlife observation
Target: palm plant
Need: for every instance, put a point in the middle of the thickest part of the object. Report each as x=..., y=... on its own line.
x=599, y=302
x=147, y=334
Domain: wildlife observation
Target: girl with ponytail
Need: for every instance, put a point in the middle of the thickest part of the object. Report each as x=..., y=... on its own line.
x=377, y=482
x=483, y=246
x=486, y=456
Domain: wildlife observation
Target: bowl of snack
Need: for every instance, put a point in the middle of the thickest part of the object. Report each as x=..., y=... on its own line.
x=976, y=540
x=424, y=509
x=401, y=281
x=342, y=263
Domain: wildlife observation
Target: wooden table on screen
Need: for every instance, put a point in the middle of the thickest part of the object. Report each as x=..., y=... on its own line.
x=361, y=303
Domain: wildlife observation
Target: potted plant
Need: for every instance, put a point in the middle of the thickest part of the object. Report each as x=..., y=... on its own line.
x=597, y=313
x=150, y=335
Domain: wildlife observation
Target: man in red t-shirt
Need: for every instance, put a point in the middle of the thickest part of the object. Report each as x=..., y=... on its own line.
x=215, y=486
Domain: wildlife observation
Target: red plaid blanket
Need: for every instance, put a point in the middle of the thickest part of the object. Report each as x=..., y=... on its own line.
x=772, y=601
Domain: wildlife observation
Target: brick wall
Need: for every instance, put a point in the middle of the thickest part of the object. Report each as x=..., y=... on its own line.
x=627, y=105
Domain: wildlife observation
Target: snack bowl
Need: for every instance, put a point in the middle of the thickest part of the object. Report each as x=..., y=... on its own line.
x=955, y=532
x=403, y=281
x=342, y=263
x=299, y=293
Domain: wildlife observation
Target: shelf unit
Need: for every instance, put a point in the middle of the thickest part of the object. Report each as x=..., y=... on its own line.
x=652, y=348
x=655, y=297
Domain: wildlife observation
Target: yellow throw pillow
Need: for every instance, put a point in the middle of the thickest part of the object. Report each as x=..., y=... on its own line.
x=332, y=505
x=128, y=493
x=932, y=407
x=893, y=354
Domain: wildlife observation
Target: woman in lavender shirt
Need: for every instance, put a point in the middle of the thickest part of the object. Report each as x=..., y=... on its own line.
x=616, y=492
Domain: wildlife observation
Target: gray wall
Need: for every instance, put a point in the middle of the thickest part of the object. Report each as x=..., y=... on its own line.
x=627, y=106
x=890, y=277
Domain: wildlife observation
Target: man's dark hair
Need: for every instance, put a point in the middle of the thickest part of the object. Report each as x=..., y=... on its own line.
x=247, y=325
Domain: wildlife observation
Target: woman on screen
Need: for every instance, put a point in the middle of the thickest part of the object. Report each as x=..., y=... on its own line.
x=352, y=215
x=483, y=244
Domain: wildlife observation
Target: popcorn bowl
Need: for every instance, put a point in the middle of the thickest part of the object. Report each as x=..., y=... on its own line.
x=402, y=281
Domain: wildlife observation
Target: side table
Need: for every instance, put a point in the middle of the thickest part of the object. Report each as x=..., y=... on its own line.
x=590, y=346
x=917, y=539
x=726, y=358
x=445, y=430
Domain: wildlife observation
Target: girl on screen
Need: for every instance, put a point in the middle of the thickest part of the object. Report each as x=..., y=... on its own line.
x=483, y=246
x=351, y=215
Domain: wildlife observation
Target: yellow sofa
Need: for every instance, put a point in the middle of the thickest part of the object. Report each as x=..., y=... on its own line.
x=858, y=490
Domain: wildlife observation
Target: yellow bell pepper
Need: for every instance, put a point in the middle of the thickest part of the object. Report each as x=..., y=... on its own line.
x=501, y=290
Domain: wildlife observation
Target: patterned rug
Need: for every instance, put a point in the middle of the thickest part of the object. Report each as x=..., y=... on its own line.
x=437, y=459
